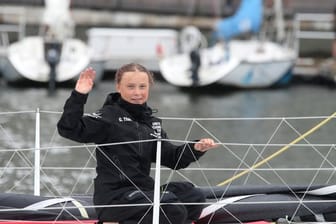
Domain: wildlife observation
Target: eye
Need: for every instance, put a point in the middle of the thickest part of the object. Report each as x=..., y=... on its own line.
x=143, y=86
x=130, y=86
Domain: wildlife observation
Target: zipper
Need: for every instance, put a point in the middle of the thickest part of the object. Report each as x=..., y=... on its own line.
x=117, y=162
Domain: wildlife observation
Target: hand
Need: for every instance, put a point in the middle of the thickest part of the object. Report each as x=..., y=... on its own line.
x=85, y=81
x=205, y=144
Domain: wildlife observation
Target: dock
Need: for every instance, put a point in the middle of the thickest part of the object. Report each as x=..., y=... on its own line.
x=314, y=36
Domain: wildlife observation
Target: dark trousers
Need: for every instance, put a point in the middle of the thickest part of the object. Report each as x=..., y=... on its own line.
x=175, y=192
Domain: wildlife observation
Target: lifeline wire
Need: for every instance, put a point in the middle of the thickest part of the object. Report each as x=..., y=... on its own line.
x=283, y=149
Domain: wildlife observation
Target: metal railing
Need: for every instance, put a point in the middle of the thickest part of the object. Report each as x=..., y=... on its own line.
x=6, y=29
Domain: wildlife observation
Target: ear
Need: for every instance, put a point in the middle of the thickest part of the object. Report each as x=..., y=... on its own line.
x=117, y=86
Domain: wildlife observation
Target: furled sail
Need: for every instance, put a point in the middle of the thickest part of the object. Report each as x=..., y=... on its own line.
x=248, y=18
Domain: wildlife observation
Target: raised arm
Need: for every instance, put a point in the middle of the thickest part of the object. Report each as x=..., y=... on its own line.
x=73, y=124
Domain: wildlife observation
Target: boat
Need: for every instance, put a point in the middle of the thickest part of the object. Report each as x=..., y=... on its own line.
x=228, y=204
x=270, y=203
x=53, y=54
x=176, y=69
x=244, y=63
x=26, y=60
x=263, y=64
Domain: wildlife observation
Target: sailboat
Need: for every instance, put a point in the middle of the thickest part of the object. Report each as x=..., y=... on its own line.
x=34, y=57
x=261, y=201
x=261, y=65
x=250, y=63
x=238, y=204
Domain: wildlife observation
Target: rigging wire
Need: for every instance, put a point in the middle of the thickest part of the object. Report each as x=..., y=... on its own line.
x=281, y=150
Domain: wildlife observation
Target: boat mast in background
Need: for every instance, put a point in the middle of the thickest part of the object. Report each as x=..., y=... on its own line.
x=57, y=22
x=57, y=26
x=279, y=21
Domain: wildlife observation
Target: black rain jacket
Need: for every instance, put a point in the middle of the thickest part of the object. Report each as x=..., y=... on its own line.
x=125, y=162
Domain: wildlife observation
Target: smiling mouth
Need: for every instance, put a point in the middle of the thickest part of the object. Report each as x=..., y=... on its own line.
x=137, y=101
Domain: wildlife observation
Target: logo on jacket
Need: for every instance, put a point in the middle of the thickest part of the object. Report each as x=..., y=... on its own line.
x=123, y=119
x=95, y=115
x=156, y=126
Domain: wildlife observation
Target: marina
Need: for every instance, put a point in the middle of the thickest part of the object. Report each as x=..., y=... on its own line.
x=276, y=157
x=313, y=27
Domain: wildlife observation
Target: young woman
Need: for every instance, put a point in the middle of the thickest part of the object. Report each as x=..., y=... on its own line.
x=123, y=170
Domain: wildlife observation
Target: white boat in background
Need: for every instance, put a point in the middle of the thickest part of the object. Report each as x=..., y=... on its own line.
x=30, y=58
x=26, y=60
x=248, y=63
x=176, y=69
x=262, y=64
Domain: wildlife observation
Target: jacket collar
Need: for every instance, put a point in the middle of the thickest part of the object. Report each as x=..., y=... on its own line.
x=138, y=111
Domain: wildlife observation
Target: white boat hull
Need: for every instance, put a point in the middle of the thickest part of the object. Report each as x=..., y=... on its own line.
x=26, y=60
x=176, y=69
x=246, y=64
x=257, y=75
x=263, y=64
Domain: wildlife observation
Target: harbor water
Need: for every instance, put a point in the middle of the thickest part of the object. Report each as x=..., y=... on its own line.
x=250, y=126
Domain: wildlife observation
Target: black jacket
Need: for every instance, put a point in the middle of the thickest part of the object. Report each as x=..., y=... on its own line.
x=126, y=164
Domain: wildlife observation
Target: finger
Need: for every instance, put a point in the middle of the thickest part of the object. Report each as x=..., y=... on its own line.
x=207, y=144
x=91, y=73
x=84, y=75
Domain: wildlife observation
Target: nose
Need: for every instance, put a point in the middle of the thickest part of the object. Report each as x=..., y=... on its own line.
x=137, y=91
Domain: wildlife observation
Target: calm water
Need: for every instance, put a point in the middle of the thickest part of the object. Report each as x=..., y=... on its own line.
x=244, y=139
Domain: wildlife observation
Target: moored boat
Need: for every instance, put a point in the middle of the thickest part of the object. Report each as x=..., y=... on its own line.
x=176, y=69
x=26, y=60
x=52, y=55
x=263, y=64
x=244, y=63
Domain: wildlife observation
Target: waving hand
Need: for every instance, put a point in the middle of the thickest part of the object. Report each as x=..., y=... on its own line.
x=85, y=81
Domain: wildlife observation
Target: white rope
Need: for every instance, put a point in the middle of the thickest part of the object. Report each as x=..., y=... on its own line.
x=17, y=112
x=243, y=118
x=309, y=169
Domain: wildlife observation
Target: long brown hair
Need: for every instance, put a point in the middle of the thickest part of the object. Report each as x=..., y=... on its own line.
x=133, y=67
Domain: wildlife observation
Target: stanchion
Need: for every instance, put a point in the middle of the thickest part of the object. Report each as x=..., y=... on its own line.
x=156, y=207
x=37, y=154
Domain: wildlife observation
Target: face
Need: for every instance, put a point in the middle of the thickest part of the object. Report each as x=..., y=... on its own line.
x=134, y=87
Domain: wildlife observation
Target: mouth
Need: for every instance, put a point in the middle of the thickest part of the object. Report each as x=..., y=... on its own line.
x=136, y=100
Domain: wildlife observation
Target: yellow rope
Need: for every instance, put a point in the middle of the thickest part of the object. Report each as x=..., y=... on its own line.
x=283, y=149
